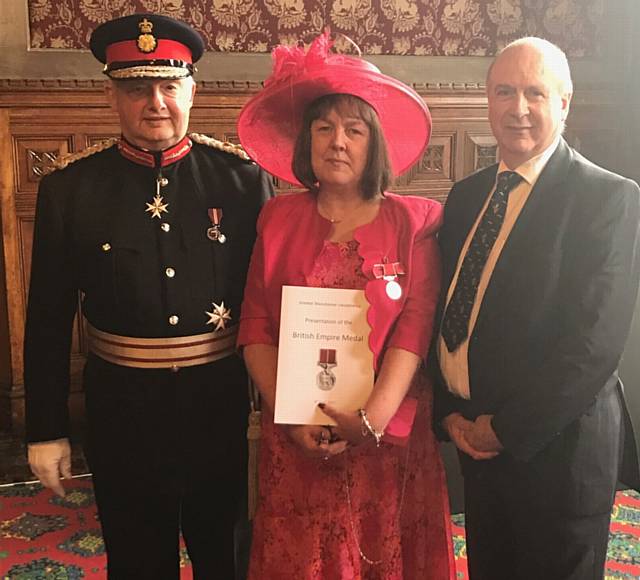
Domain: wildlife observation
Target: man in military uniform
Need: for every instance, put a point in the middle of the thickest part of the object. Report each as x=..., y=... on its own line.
x=155, y=229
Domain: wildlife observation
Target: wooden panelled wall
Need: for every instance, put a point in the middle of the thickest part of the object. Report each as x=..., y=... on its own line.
x=42, y=120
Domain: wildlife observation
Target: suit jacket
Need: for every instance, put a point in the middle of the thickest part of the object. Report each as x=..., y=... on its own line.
x=557, y=310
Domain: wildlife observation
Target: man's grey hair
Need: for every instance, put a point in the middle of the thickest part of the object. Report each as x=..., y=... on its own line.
x=553, y=56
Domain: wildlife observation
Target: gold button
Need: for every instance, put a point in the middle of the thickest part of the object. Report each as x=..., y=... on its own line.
x=173, y=320
x=165, y=227
x=106, y=247
x=170, y=272
x=175, y=368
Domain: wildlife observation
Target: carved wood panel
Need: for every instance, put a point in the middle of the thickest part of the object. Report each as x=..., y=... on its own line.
x=25, y=229
x=480, y=150
x=36, y=155
x=432, y=175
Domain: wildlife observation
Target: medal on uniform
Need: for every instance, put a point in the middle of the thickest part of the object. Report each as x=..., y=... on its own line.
x=214, y=233
x=219, y=315
x=389, y=271
x=157, y=208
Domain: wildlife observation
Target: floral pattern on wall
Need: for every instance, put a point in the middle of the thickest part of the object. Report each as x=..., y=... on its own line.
x=403, y=27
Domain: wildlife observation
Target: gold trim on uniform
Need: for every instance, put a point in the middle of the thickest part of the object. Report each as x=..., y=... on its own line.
x=148, y=72
x=157, y=353
x=225, y=146
x=179, y=153
x=70, y=158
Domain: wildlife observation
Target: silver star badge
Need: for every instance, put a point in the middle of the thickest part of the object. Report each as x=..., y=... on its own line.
x=219, y=316
x=157, y=207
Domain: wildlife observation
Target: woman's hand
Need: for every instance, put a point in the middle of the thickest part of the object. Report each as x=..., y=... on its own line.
x=348, y=425
x=315, y=440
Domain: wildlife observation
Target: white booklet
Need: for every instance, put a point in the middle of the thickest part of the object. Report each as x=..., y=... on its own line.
x=323, y=354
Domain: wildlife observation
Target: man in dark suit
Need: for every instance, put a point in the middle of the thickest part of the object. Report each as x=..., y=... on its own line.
x=155, y=230
x=540, y=257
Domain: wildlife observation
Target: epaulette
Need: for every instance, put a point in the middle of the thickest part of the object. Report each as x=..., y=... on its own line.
x=221, y=145
x=66, y=160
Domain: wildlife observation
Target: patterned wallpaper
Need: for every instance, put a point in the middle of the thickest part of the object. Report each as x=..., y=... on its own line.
x=405, y=27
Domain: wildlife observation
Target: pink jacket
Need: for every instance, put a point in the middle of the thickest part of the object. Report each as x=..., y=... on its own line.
x=291, y=234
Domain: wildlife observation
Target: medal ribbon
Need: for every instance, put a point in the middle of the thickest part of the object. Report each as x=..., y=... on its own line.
x=215, y=215
x=327, y=356
x=388, y=270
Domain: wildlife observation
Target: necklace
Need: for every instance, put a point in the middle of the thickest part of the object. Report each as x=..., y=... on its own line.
x=350, y=509
x=348, y=213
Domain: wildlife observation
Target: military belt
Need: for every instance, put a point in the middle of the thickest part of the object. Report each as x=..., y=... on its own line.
x=161, y=353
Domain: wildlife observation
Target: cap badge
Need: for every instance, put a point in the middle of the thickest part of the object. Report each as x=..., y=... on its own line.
x=146, y=41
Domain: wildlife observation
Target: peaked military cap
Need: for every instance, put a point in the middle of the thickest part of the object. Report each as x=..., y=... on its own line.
x=146, y=46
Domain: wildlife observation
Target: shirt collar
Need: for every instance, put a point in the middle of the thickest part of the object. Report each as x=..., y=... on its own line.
x=530, y=170
x=155, y=158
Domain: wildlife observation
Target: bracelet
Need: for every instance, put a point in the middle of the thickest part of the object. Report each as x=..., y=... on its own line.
x=367, y=427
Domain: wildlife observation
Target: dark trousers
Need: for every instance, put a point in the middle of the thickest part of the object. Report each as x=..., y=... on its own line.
x=507, y=540
x=547, y=518
x=141, y=533
x=167, y=453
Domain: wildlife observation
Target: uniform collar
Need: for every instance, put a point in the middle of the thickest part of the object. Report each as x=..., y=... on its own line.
x=155, y=158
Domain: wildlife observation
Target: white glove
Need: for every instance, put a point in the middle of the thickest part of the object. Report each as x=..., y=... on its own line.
x=49, y=460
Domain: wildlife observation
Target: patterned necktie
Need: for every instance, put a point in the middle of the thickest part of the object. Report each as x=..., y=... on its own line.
x=455, y=324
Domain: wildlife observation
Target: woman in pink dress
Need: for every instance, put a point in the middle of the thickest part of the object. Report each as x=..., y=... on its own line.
x=365, y=498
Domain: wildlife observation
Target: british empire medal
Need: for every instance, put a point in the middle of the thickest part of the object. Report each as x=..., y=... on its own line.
x=394, y=291
x=214, y=233
x=389, y=271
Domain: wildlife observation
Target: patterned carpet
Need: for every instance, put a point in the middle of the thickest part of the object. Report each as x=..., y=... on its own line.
x=43, y=537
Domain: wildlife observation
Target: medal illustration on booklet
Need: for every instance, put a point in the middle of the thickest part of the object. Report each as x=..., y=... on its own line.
x=390, y=271
x=214, y=233
x=325, y=379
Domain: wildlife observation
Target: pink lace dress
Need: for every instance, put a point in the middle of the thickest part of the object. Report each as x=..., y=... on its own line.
x=316, y=519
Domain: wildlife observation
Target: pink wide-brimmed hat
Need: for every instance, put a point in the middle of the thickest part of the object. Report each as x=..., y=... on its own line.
x=269, y=123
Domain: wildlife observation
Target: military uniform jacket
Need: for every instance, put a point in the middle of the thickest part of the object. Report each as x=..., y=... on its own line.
x=144, y=267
